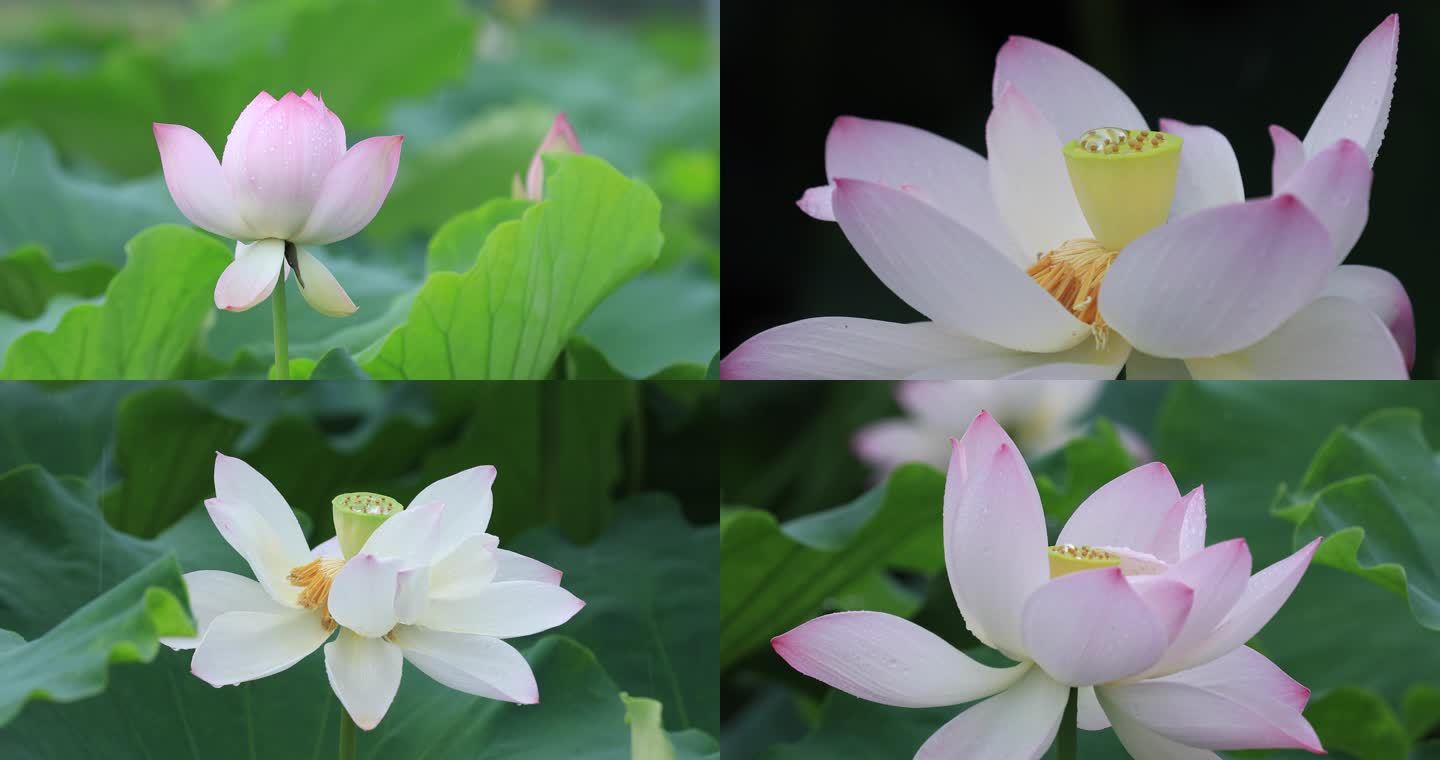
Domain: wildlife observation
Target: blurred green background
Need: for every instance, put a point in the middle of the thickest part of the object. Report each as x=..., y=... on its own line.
x=1232, y=65
x=472, y=86
x=807, y=528
x=613, y=483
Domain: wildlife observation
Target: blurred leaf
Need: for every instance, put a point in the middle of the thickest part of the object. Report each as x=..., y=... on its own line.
x=206, y=75
x=1089, y=461
x=1371, y=492
x=28, y=280
x=647, y=736
x=878, y=592
x=580, y=425
x=63, y=429
x=457, y=244
x=122, y=625
x=649, y=587
x=1358, y=722
x=153, y=312
x=510, y=315
x=657, y=320
x=690, y=176
x=1421, y=707
x=337, y=364
x=79, y=221
x=821, y=555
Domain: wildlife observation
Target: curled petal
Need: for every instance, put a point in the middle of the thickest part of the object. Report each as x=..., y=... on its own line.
x=365, y=674
x=252, y=276
x=289, y=150
x=1217, y=280
x=1359, y=107
x=353, y=191
x=320, y=288
x=1289, y=157
x=1209, y=172
x=214, y=593
x=503, y=610
x=1182, y=531
x=994, y=544
x=1335, y=184
x=197, y=184
x=362, y=596
x=1330, y=339
x=1091, y=627
x=480, y=665
x=890, y=660
x=1126, y=512
x=1016, y=724
x=244, y=646
x=1069, y=92
x=1264, y=594
x=1382, y=293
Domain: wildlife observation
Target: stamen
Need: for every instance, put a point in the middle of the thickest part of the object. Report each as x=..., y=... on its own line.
x=1069, y=558
x=315, y=578
x=1073, y=274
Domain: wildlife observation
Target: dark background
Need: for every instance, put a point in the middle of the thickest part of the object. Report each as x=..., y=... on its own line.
x=791, y=68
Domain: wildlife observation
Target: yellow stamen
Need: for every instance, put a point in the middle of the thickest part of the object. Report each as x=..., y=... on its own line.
x=1073, y=273
x=314, y=578
x=1068, y=558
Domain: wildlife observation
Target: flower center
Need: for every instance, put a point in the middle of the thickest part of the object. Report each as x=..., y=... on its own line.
x=357, y=515
x=1069, y=558
x=1073, y=273
x=1124, y=180
x=314, y=579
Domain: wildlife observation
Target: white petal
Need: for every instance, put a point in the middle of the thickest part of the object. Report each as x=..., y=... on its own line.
x=503, y=610
x=1088, y=715
x=320, y=288
x=467, y=570
x=816, y=203
x=408, y=535
x=214, y=593
x=365, y=674
x=328, y=549
x=1091, y=627
x=1289, y=157
x=244, y=646
x=254, y=539
x=353, y=191
x=1331, y=339
x=252, y=276
x=412, y=594
x=1029, y=178
x=1182, y=532
x=1016, y=724
x=887, y=659
x=239, y=484
x=480, y=665
x=1381, y=293
x=1126, y=512
x=1264, y=593
x=518, y=567
x=1358, y=108
x=1072, y=94
x=1335, y=184
x=1209, y=172
x=468, y=502
x=289, y=149
x=1144, y=744
x=362, y=596
x=1218, y=575
x=197, y=184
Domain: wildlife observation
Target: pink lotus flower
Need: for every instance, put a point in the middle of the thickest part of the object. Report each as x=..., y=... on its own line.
x=1085, y=243
x=1129, y=606
x=424, y=584
x=560, y=139
x=285, y=181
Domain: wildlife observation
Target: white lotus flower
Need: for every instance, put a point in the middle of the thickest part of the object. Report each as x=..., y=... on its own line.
x=424, y=584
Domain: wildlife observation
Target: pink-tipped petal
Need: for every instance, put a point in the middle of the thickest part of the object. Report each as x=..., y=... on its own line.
x=1028, y=177
x=1069, y=92
x=240, y=485
x=320, y=288
x=890, y=660
x=1289, y=157
x=1382, y=293
x=214, y=593
x=560, y=139
x=365, y=674
x=518, y=567
x=952, y=177
x=353, y=191
x=1264, y=594
x=1182, y=531
x=1330, y=339
x=1218, y=574
x=252, y=276
x=1358, y=108
x=1169, y=601
x=244, y=646
x=237, y=141
x=1209, y=172
x=362, y=596
x=1335, y=184
x=816, y=203
x=1144, y=744
x=949, y=273
x=975, y=450
x=1091, y=627
x=1126, y=512
x=994, y=543
x=289, y=150
x=197, y=184
x=504, y=609
x=1240, y=701
x=1016, y=724
x=1219, y=279
x=480, y=665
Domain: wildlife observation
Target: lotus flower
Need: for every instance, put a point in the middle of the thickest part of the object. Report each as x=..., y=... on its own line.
x=425, y=584
x=1085, y=242
x=560, y=139
x=1129, y=606
x=285, y=181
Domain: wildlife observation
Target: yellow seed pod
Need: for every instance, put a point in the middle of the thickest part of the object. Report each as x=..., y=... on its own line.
x=1124, y=180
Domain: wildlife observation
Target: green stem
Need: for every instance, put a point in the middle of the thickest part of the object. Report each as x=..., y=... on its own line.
x=1065, y=744
x=348, y=741
x=282, y=338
